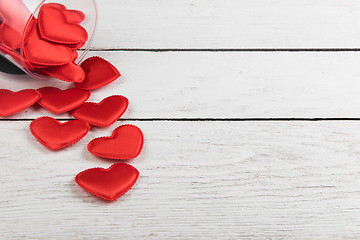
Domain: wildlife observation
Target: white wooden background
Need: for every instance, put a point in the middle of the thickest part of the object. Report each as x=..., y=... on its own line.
x=227, y=93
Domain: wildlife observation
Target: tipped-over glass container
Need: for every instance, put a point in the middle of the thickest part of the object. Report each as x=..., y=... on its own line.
x=16, y=20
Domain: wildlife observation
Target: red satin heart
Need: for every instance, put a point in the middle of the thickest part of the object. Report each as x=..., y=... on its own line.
x=125, y=143
x=14, y=102
x=54, y=27
x=102, y=114
x=55, y=135
x=60, y=101
x=98, y=73
x=109, y=184
x=42, y=52
x=72, y=16
x=70, y=72
x=75, y=56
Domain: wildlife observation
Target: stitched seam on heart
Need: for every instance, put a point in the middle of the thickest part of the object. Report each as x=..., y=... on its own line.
x=47, y=64
x=51, y=40
x=111, y=137
x=107, y=170
x=88, y=96
x=98, y=104
x=27, y=106
x=71, y=143
x=39, y=63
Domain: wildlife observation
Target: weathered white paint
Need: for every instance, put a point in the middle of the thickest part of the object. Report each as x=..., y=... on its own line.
x=228, y=24
x=208, y=180
x=225, y=85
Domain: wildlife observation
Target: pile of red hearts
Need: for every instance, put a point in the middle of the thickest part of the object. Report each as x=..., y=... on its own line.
x=51, y=50
x=50, y=42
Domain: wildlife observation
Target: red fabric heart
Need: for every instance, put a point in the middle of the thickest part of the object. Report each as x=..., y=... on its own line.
x=125, y=143
x=72, y=16
x=54, y=27
x=98, y=73
x=70, y=72
x=102, y=114
x=42, y=52
x=75, y=56
x=55, y=135
x=109, y=184
x=60, y=101
x=14, y=102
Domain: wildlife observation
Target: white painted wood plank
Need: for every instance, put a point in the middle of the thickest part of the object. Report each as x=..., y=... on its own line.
x=208, y=180
x=225, y=85
x=228, y=24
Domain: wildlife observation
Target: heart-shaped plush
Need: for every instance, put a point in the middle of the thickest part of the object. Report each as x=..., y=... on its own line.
x=74, y=57
x=98, y=73
x=55, y=135
x=60, y=101
x=14, y=102
x=69, y=72
x=54, y=27
x=72, y=16
x=125, y=143
x=110, y=183
x=42, y=52
x=102, y=114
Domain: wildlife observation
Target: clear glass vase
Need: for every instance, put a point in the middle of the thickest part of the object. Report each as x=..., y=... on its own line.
x=16, y=22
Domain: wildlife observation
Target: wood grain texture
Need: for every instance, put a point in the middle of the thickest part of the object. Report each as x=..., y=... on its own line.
x=225, y=85
x=268, y=180
x=206, y=180
x=228, y=24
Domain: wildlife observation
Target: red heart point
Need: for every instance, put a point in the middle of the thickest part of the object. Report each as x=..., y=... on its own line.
x=110, y=183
